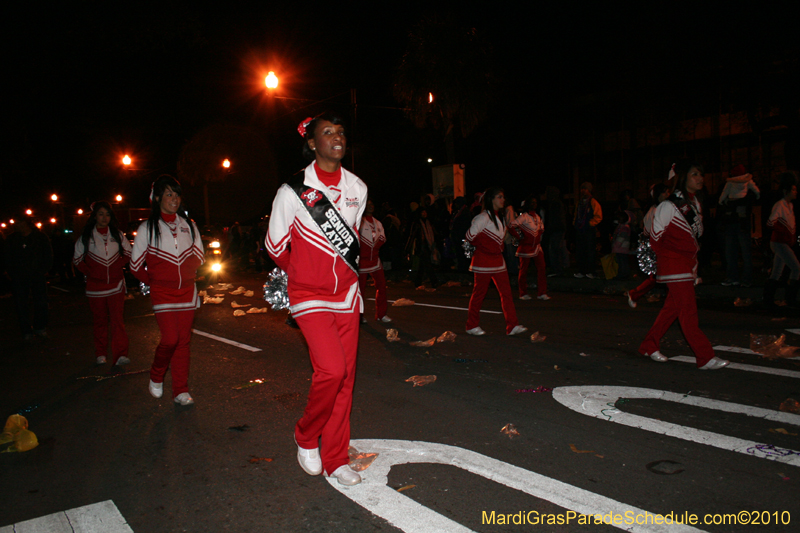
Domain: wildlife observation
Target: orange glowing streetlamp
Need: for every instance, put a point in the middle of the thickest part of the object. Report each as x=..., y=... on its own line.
x=52, y=220
x=54, y=197
x=271, y=81
x=39, y=225
x=126, y=160
x=226, y=163
x=80, y=211
x=430, y=98
x=29, y=212
x=118, y=198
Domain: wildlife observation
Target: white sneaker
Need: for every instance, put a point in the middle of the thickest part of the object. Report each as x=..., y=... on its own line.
x=156, y=389
x=590, y=275
x=363, y=319
x=517, y=330
x=346, y=475
x=578, y=275
x=476, y=331
x=525, y=297
x=385, y=319
x=631, y=302
x=715, y=364
x=184, y=399
x=658, y=357
x=309, y=460
x=543, y=297
x=122, y=361
x=101, y=360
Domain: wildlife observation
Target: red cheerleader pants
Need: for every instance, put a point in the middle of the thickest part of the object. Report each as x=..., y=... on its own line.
x=541, y=274
x=380, y=291
x=333, y=345
x=108, y=310
x=172, y=351
x=479, y=293
x=643, y=289
x=680, y=304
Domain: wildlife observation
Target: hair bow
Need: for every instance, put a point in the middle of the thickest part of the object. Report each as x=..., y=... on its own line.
x=301, y=129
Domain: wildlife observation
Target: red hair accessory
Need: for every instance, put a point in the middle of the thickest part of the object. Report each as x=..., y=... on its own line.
x=671, y=172
x=91, y=207
x=301, y=129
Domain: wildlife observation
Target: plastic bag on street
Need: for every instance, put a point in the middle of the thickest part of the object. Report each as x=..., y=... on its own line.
x=772, y=346
x=360, y=461
x=447, y=336
x=392, y=335
x=423, y=344
x=510, y=430
x=402, y=302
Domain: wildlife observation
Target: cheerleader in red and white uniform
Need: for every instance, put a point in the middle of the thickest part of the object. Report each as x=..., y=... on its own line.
x=100, y=254
x=372, y=238
x=677, y=225
x=486, y=233
x=782, y=222
x=323, y=290
x=659, y=192
x=530, y=228
x=167, y=251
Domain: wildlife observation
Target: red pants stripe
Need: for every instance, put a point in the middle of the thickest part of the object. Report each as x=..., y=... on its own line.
x=643, y=289
x=680, y=304
x=541, y=274
x=105, y=311
x=479, y=293
x=380, y=291
x=333, y=345
x=172, y=351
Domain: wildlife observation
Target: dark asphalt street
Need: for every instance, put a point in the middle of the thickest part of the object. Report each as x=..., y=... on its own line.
x=228, y=463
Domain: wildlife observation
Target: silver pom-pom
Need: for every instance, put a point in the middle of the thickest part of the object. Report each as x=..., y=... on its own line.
x=275, y=289
x=514, y=242
x=646, y=256
x=468, y=248
x=144, y=289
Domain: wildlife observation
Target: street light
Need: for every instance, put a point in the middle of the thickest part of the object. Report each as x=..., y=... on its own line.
x=118, y=198
x=80, y=211
x=54, y=197
x=271, y=81
x=29, y=212
x=226, y=164
x=126, y=160
x=52, y=220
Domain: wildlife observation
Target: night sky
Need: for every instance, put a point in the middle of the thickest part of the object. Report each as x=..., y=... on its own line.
x=89, y=81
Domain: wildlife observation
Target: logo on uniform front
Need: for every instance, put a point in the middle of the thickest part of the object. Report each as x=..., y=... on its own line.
x=351, y=202
x=311, y=197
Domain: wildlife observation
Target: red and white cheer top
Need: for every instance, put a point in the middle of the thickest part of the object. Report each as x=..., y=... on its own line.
x=169, y=267
x=531, y=226
x=372, y=238
x=782, y=222
x=102, y=263
x=674, y=241
x=319, y=279
x=487, y=237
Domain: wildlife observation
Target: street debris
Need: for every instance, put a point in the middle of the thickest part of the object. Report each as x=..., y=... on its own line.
x=213, y=300
x=243, y=427
x=109, y=376
x=770, y=450
x=360, y=461
x=536, y=337
x=423, y=344
x=254, y=459
x=202, y=294
x=782, y=431
x=742, y=302
x=249, y=294
x=510, y=430
x=401, y=489
x=17, y=434
x=225, y=286
x=790, y=405
x=576, y=450
x=447, y=336
x=665, y=468
x=652, y=298
x=236, y=305
x=772, y=346
x=583, y=354
x=540, y=388
x=556, y=367
x=426, y=289
x=251, y=383
x=403, y=301
x=239, y=312
x=452, y=283
x=392, y=335
x=420, y=381
x=256, y=310
x=240, y=290
x=470, y=360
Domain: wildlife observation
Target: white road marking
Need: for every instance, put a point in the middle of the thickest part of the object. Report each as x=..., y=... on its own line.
x=411, y=517
x=736, y=349
x=447, y=307
x=795, y=331
x=97, y=517
x=599, y=402
x=749, y=368
x=58, y=288
x=227, y=341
